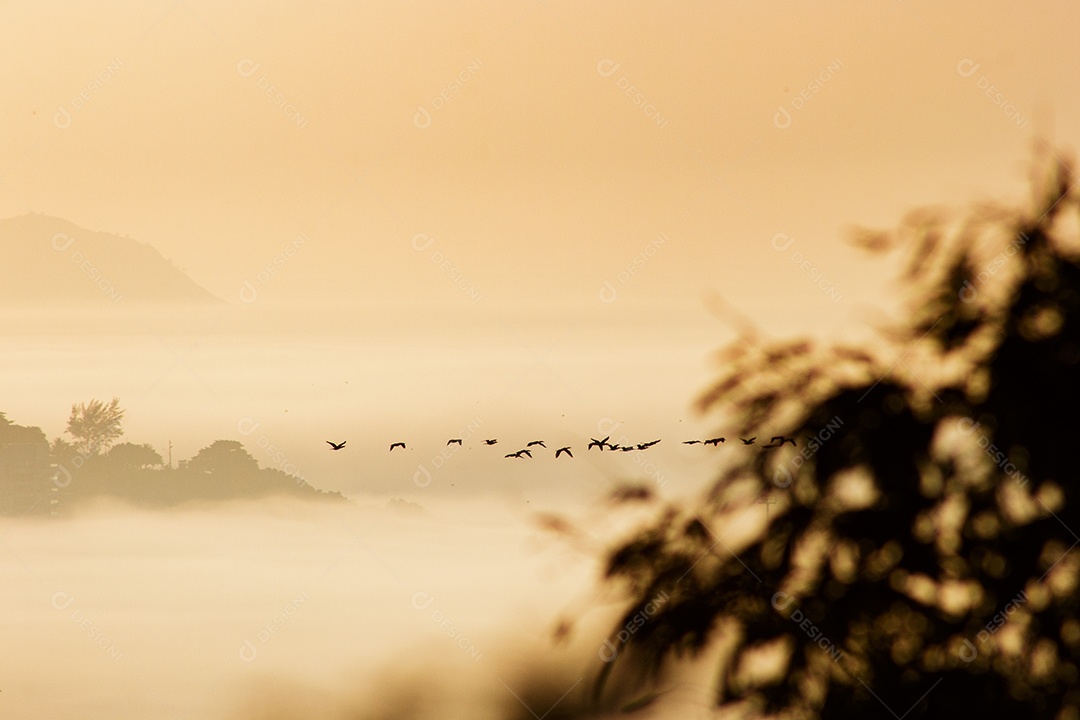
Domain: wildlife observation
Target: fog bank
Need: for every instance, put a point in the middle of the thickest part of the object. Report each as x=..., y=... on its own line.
x=292, y=609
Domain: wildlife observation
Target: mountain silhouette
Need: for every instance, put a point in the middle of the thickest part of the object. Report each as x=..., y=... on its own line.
x=51, y=261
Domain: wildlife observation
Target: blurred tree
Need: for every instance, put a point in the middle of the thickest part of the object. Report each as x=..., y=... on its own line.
x=223, y=457
x=25, y=472
x=65, y=456
x=920, y=559
x=95, y=426
x=20, y=434
x=132, y=456
x=61, y=448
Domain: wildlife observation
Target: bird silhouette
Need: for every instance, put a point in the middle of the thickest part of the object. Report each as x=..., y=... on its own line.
x=453, y=441
x=337, y=446
x=748, y=442
x=613, y=447
x=490, y=442
x=537, y=442
x=562, y=450
x=518, y=454
x=397, y=444
x=715, y=442
x=649, y=444
x=598, y=443
x=627, y=448
x=783, y=439
x=690, y=442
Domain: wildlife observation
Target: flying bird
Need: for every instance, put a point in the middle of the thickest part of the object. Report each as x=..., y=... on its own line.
x=598, y=443
x=337, y=446
x=649, y=444
x=562, y=450
x=453, y=441
x=690, y=442
x=748, y=442
x=715, y=442
x=397, y=444
x=537, y=442
x=627, y=448
x=518, y=454
x=490, y=442
x=783, y=439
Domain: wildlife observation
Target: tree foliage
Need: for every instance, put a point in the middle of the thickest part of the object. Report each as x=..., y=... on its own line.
x=224, y=457
x=95, y=426
x=920, y=558
x=20, y=434
x=132, y=456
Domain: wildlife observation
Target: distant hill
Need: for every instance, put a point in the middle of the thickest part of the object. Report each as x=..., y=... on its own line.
x=51, y=261
x=36, y=478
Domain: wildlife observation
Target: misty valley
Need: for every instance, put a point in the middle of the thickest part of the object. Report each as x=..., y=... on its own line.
x=539, y=360
x=217, y=588
x=284, y=607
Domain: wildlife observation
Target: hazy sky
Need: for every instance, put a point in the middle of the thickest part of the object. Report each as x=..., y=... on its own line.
x=573, y=179
x=446, y=219
x=220, y=132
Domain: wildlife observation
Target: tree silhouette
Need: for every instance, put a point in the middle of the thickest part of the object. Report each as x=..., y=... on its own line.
x=25, y=473
x=129, y=456
x=95, y=426
x=920, y=559
x=224, y=458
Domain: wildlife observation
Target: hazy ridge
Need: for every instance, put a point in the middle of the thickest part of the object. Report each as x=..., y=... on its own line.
x=52, y=261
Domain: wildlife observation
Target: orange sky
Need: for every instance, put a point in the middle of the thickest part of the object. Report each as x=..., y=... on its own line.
x=538, y=177
x=568, y=177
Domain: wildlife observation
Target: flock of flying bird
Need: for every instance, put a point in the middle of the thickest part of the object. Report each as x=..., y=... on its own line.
x=776, y=441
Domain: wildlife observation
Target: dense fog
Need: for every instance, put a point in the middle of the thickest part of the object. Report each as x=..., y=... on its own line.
x=284, y=608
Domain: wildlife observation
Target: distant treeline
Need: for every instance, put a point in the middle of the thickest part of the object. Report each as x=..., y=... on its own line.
x=37, y=477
